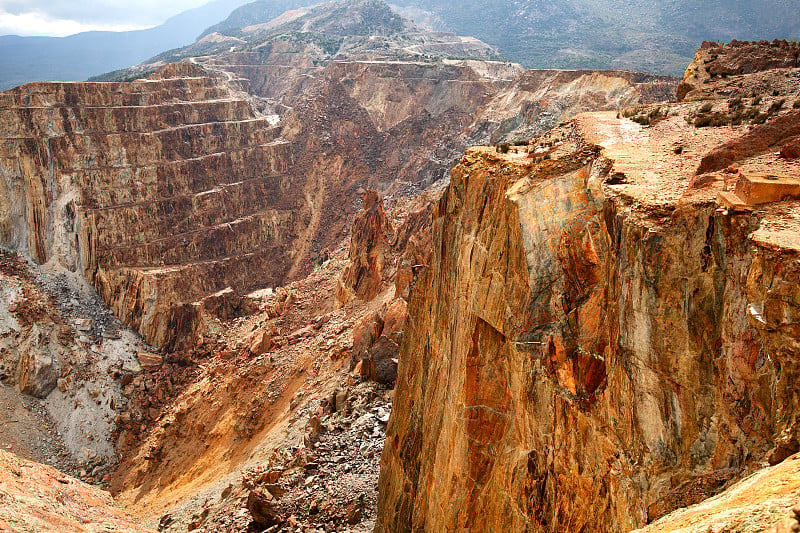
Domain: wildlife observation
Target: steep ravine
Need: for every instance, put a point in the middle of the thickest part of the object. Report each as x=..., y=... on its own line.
x=591, y=346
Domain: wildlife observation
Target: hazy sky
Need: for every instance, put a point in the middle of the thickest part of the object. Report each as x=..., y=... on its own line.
x=65, y=17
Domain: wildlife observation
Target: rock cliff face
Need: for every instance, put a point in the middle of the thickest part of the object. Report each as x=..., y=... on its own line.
x=592, y=344
x=718, y=69
x=363, y=276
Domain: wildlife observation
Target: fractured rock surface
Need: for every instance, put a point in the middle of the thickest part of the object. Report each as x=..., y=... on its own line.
x=593, y=344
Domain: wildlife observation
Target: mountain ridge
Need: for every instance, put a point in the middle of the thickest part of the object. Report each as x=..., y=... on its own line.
x=657, y=37
x=576, y=34
x=312, y=36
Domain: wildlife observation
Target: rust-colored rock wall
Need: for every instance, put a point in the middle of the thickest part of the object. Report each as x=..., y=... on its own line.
x=363, y=276
x=575, y=361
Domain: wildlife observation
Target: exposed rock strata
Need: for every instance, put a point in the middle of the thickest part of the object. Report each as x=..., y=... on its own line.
x=150, y=189
x=592, y=345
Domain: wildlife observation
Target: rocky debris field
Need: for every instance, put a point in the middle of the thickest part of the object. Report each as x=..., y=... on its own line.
x=62, y=355
x=80, y=304
x=27, y=430
x=327, y=482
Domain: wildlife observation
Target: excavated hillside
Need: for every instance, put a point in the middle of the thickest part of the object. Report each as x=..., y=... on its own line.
x=216, y=223
x=151, y=190
x=607, y=328
x=276, y=58
x=164, y=191
x=601, y=322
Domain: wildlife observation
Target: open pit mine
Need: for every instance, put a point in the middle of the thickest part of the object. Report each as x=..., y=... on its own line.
x=346, y=274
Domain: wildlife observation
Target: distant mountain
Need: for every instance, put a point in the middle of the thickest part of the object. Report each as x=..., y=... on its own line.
x=77, y=57
x=256, y=13
x=307, y=37
x=657, y=36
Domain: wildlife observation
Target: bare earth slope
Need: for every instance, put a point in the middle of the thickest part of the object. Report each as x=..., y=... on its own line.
x=764, y=499
x=39, y=498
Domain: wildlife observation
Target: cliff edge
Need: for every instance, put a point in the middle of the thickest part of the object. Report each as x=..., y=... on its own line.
x=598, y=339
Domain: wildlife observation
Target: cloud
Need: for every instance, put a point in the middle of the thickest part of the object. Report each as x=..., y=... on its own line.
x=34, y=23
x=57, y=17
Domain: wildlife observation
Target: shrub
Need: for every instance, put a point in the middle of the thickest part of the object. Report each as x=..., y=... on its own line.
x=702, y=121
x=655, y=113
x=502, y=148
x=756, y=100
x=736, y=103
x=776, y=106
x=708, y=106
x=714, y=120
x=751, y=113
